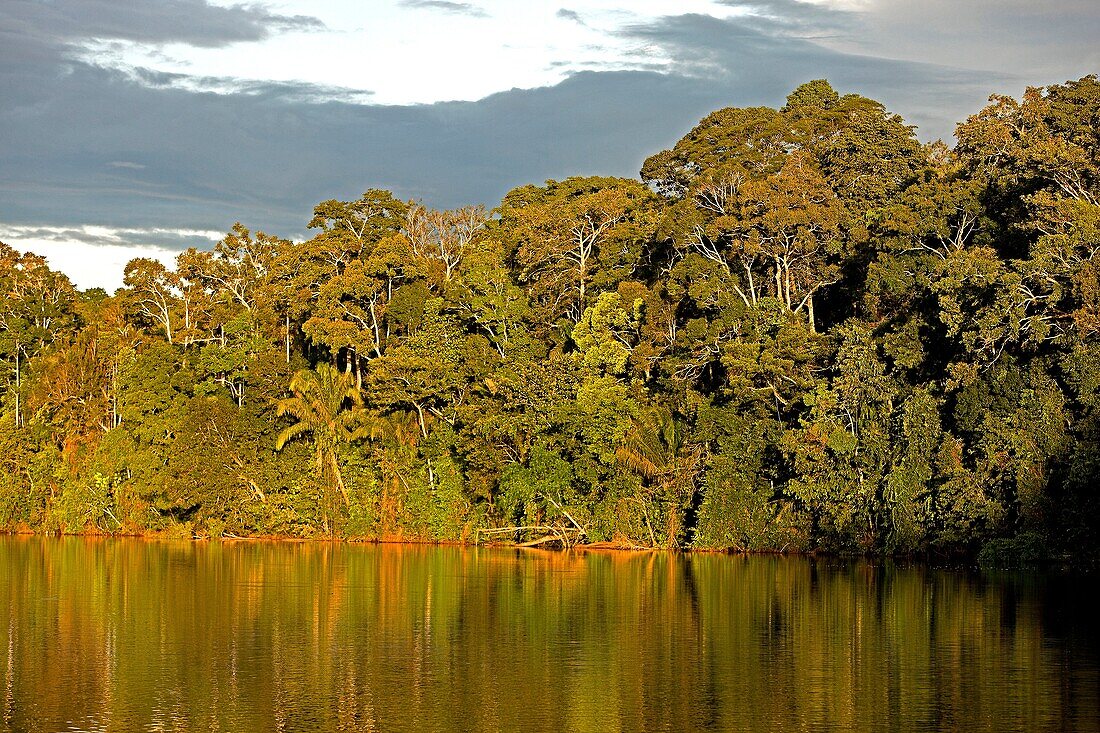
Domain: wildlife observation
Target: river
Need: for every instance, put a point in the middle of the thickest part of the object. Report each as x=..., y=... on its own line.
x=135, y=635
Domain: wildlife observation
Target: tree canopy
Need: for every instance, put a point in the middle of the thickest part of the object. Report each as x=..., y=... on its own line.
x=801, y=329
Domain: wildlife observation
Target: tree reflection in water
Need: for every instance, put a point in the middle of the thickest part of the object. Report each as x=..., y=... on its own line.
x=126, y=635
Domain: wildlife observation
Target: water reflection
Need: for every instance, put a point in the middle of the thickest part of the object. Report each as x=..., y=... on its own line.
x=127, y=635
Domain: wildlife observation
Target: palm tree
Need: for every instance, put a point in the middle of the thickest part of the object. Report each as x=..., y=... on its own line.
x=327, y=405
x=396, y=436
x=655, y=449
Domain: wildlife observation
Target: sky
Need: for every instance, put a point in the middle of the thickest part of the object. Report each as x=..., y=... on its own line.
x=141, y=127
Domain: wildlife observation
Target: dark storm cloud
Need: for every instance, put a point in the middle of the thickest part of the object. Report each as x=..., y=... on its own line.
x=794, y=16
x=204, y=160
x=84, y=144
x=705, y=44
x=446, y=7
x=292, y=91
x=41, y=41
x=194, y=22
x=762, y=64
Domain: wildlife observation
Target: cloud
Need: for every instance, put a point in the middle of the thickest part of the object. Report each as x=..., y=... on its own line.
x=39, y=40
x=219, y=150
x=213, y=159
x=795, y=16
x=1043, y=41
x=446, y=7
x=174, y=239
x=573, y=15
x=95, y=256
x=144, y=155
x=763, y=62
x=193, y=22
x=266, y=159
x=293, y=91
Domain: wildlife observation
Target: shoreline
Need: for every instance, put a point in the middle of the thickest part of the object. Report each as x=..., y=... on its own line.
x=608, y=547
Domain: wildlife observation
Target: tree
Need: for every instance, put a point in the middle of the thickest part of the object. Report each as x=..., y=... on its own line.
x=1047, y=140
x=657, y=449
x=488, y=299
x=812, y=96
x=866, y=153
x=801, y=330
x=327, y=406
x=156, y=294
x=428, y=373
x=237, y=269
x=37, y=308
x=76, y=387
x=307, y=275
x=792, y=221
x=750, y=142
x=575, y=239
x=606, y=334
x=443, y=238
x=841, y=449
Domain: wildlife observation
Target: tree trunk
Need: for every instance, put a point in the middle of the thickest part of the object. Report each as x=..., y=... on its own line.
x=338, y=478
x=18, y=420
x=420, y=419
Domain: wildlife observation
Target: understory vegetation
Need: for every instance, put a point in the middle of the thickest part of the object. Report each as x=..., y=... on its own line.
x=801, y=329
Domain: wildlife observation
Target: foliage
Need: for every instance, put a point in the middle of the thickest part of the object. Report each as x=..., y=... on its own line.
x=800, y=330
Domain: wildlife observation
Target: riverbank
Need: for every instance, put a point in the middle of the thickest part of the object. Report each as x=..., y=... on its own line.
x=1026, y=552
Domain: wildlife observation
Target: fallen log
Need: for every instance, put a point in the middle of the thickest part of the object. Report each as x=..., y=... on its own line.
x=541, y=541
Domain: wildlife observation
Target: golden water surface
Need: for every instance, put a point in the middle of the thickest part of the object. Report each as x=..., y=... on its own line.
x=132, y=635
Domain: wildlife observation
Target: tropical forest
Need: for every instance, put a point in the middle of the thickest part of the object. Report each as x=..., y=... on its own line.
x=798, y=330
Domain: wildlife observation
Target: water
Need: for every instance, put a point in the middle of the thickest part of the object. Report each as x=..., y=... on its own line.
x=129, y=635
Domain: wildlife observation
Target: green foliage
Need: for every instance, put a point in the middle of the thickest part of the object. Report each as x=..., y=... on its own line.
x=524, y=488
x=606, y=334
x=813, y=95
x=801, y=330
x=742, y=508
x=1007, y=553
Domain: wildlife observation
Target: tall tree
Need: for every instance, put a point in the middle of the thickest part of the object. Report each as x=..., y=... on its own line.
x=37, y=308
x=575, y=239
x=327, y=406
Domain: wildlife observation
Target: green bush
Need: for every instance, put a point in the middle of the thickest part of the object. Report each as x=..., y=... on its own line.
x=1007, y=553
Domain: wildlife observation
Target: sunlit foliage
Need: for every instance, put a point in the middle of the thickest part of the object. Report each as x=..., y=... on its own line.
x=801, y=329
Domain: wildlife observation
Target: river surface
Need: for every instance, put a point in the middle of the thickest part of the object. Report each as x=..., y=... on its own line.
x=132, y=635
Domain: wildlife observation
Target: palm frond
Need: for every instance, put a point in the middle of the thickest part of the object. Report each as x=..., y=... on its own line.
x=291, y=432
x=652, y=444
x=294, y=406
x=637, y=462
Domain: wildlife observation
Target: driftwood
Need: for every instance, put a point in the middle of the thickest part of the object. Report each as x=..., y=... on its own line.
x=541, y=541
x=551, y=534
x=567, y=514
